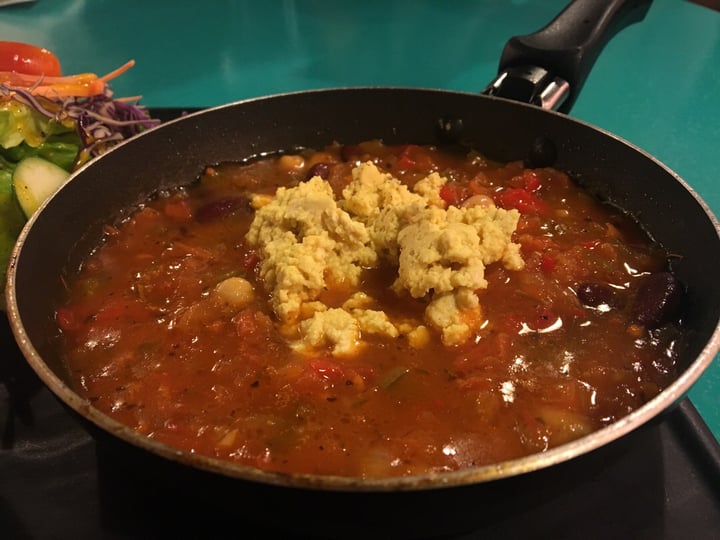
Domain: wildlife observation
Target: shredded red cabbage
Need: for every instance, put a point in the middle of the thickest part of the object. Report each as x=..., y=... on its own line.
x=100, y=120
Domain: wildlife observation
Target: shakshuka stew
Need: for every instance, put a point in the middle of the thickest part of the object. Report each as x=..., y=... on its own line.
x=371, y=310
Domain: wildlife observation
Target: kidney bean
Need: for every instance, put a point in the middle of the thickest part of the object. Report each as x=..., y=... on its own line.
x=657, y=298
x=219, y=208
x=350, y=152
x=319, y=169
x=594, y=294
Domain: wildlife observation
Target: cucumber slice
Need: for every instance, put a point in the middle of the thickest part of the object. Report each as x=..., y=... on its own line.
x=34, y=180
x=11, y=222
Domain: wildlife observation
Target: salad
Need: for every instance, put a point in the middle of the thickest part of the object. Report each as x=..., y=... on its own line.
x=51, y=124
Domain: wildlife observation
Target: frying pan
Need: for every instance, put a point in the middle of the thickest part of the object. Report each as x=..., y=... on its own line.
x=547, y=69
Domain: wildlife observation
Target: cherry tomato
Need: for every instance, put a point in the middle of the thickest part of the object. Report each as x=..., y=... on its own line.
x=28, y=59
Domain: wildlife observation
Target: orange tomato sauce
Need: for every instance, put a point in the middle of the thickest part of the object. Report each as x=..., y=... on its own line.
x=560, y=353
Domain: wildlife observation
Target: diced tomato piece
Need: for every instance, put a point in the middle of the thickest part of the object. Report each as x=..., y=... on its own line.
x=532, y=243
x=316, y=376
x=178, y=209
x=413, y=157
x=246, y=323
x=454, y=194
x=527, y=179
x=66, y=319
x=522, y=200
x=146, y=219
x=126, y=310
x=327, y=369
x=547, y=263
x=476, y=187
x=405, y=163
x=530, y=224
x=591, y=244
x=531, y=180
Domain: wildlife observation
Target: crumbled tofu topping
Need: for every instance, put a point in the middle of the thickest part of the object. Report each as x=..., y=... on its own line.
x=455, y=314
x=311, y=242
x=308, y=244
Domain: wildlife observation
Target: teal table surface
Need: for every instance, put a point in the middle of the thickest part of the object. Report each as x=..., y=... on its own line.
x=656, y=84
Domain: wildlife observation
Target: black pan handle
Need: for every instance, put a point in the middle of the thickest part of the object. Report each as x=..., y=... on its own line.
x=549, y=67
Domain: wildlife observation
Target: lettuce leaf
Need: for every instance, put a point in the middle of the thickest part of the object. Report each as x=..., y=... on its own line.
x=60, y=150
x=25, y=132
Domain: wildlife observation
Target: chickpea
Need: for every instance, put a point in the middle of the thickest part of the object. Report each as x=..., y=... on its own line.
x=235, y=291
x=290, y=162
x=483, y=201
